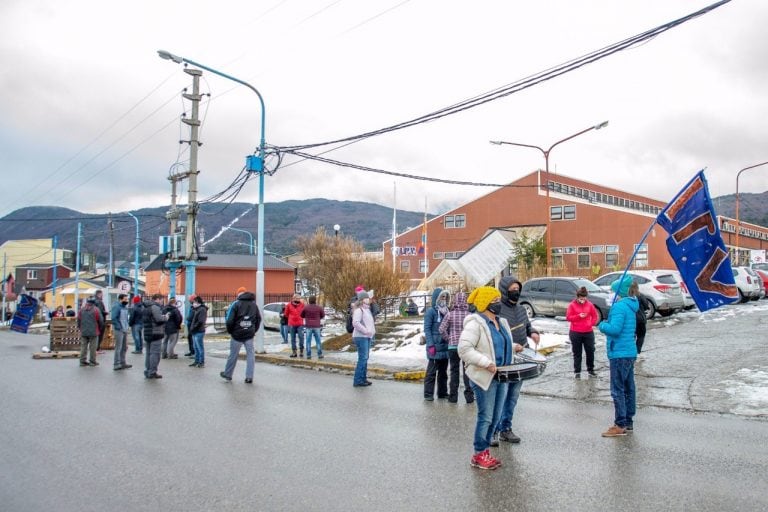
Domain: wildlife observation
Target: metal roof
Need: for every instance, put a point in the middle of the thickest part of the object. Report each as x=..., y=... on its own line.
x=235, y=261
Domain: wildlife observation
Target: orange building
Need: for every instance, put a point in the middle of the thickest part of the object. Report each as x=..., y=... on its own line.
x=222, y=274
x=589, y=224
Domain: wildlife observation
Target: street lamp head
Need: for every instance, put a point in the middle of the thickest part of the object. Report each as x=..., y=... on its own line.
x=336, y=227
x=495, y=142
x=169, y=56
x=601, y=125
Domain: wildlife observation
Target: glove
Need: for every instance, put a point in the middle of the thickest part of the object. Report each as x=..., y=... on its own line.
x=431, y=351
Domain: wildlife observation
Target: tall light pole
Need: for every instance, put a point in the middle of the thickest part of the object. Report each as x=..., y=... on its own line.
x=738, y=225
x=254, y=163
x=242, y=231
x=546, y=153
x=136, y=259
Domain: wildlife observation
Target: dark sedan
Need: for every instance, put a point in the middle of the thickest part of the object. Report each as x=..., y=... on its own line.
x=550, y=296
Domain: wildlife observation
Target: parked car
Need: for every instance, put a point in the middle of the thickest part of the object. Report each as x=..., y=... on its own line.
x=746, y=282
x=660, y=288
x=688, y=302
x=270, y=316
x=763, y=274
x=759, y=280
x=760, y=266
x=550, y=296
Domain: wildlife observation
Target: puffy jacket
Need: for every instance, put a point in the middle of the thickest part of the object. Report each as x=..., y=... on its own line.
x=476, y=348
x=573, y=315
x=362, y=322
x=119, y=317
x=293, y=312
x=453, y=323
x=173, y=325
x=137, y=314
x=243, y=318
x=198, y=319
x=437, y=346
x=620, y=328
x=90, y=321
x=313, y=316
x=153, y=322
x=515, y=315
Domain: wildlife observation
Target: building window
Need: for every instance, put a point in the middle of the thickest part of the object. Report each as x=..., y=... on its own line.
x=405, y=266
x=569, y=212
x=555, y=213
x=583, y=260
x=611, y=259
x=422, y=266
x=641, y=257
x=458, y=220
x=598, y=249
x=569, y=250
x=611, y=248
x=31, y=274
x=438, y=255
x=557, y=261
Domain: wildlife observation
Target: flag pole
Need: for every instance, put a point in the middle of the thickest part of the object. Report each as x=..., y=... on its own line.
x=394, y=228
x=634, y=254
x=424, y=241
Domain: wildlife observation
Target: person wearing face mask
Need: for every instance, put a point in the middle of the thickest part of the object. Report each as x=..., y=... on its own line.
x=437, y=347
x=120, y=328
x=295, y=323
x=583, y=317
x=485, y=344
x=521, y=329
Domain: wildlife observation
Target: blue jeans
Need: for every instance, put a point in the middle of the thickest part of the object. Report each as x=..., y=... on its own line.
x=489, y=405
x=296, y=330
x=234, y=351
x=361, y=370
x=505, y=423
x=623, y=389
x=136, y=332
x=314, y=332
x=197, y=341
x=284, y=332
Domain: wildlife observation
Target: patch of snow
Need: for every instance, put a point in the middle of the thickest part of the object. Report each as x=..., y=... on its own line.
x=750, y=391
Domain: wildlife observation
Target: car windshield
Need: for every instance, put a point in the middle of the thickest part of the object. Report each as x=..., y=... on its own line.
x=760, y=266
x=589, y=285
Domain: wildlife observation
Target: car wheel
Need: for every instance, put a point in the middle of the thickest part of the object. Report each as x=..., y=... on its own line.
x=742, y=298
x=651, y=310
x=756, y=297
x=528, y=310
x=666, y=312
x=600, y=315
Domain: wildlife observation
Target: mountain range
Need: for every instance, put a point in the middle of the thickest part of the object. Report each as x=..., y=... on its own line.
x=368, y=223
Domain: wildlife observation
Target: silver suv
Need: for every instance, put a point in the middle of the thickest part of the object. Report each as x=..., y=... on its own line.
x=660, y=288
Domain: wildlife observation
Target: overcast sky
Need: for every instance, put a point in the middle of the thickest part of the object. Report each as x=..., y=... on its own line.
x=90, y=114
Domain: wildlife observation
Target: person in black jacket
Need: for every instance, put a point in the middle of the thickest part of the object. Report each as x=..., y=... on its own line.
x=154, y=331
x=136, y=323
x=243, y=320
x=172, y=327
x=197, y=328
x=640, y=317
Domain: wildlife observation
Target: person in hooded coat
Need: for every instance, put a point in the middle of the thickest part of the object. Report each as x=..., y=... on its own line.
x=450, y=329
x=619, y=330
x=437, y=347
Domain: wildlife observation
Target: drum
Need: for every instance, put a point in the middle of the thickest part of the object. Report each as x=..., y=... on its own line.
x=528, y=355
x=519, y=371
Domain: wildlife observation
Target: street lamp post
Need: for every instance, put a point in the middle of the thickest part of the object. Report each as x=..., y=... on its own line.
x=254, y=163
x=546, y=153
x=738, y=224
x=243, y=231
x=136, y=259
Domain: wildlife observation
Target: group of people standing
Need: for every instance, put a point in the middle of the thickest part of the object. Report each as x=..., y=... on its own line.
x=302, y=322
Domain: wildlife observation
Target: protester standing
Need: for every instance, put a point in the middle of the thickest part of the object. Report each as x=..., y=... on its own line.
x=450, y=329
x=197, y=328
x=283, y=324
x=436, y=346
x=243, y=320
x=90, y=322
x=363, y=333
x=120, y=328
x=99, y=296
x=485, y=344
x=295, y=323
x=641, y=315
x=582, y=315
x=135, y=321
x=188, y=322
x=154, y=331
x=313, y=324
x=172, y=327
x=622, y=352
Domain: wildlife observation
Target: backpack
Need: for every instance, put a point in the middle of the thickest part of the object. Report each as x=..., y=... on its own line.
x=350, y=327
x=640, y=317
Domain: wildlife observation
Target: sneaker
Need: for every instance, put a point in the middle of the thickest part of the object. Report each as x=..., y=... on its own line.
x=93, y=363
x=173, y=356
x=615, y=431
x=629, y=429
x=484, y=460
x=577, y=375
x=293, y=355
x=453, y=399
x=495, y=439
x=509, y=436
x=136, y=352
x=116, y=368
x=84, y=363
x=224, y=376
x=592, y=373
x=249, y=381
x=319, y=356
x=309, y=356
x=165, y=356
x=189, y=354
x=126, y=366
x=469, y=398
x=429, y=398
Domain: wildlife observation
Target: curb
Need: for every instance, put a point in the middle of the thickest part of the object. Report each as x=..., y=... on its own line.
x=322, y=364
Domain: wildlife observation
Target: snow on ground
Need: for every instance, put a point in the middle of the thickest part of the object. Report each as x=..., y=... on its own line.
x=750, y=391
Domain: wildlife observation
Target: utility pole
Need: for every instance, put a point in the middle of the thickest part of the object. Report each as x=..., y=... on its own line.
x=111, y=228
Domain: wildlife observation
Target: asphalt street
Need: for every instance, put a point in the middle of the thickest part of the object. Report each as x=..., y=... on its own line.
x=80, y=439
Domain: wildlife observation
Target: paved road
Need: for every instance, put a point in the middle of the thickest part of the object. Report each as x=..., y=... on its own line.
x=80, y=439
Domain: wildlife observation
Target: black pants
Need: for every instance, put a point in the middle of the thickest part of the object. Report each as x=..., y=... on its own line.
x=191, y=345
x=639, y=335
x=437, y=369
x=587, y=341
x=456, y=367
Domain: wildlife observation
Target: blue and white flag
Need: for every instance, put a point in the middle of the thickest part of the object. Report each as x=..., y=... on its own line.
x=695, y=244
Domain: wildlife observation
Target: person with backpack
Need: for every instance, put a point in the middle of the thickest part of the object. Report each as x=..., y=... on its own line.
x=154, y=331
x=641, y=316
x=243, y=320
x=172, y=328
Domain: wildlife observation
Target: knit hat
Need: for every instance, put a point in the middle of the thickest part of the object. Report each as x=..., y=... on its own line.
x=362, y=294
x=622, y=287
x=483, y=296
x=136, y=299
x=241, y=290
x=359, y=288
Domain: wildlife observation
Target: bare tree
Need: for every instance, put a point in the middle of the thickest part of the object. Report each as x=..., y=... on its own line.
x=335, y=265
